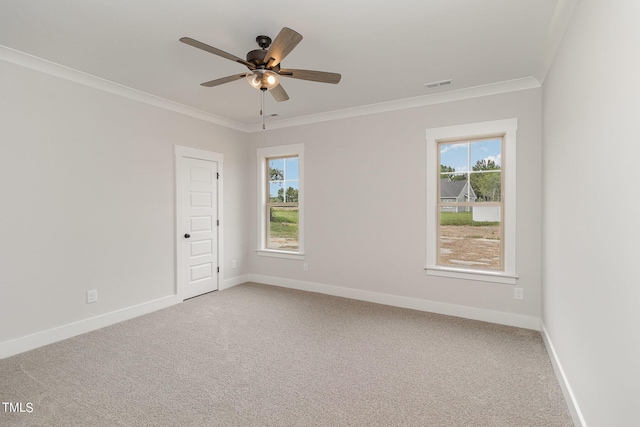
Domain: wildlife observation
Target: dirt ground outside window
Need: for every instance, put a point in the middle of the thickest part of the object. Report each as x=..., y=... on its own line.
x=470, y=246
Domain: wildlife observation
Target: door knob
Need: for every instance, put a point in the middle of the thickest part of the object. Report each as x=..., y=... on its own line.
x=186, y=236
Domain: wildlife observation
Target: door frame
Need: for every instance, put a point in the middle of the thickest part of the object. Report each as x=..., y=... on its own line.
x=182, y=152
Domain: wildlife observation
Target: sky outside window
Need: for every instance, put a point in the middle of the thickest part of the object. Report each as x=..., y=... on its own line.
x=463, y=156
x=287, y=178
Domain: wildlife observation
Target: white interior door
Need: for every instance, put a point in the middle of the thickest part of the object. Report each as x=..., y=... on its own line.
x=198, y=238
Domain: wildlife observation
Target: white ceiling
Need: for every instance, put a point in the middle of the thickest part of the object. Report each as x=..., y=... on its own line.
x=385, y=50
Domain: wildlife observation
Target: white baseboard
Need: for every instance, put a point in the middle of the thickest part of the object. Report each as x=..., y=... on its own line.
x=574, y=408
x=39, y=339
x=234, y=281
x=492, y=316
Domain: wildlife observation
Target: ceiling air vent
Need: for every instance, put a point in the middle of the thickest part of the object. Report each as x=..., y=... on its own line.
x=433, y=85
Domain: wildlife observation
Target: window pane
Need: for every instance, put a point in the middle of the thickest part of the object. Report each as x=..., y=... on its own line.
x=489, y=150
x=456, y=189
x=485, y=163
x=290, y=192
x=276, y=169
x=276, y=190
x=283, y=228
x=291, y=168
x=470, y=237
x=454, y=157
x=486, y=186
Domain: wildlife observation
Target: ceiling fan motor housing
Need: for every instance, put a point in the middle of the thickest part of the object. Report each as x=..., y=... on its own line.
x=257, y=57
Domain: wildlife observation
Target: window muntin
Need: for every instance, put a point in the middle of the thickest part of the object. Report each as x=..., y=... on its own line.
x=470, y=232
x=282, y=211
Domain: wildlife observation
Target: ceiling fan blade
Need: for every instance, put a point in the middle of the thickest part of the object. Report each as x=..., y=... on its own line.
x=279, y=94
x=215, y=51
x=314, y=76
x=223, y=80
x=283, y=44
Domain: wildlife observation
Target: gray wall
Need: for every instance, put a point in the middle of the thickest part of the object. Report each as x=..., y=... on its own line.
x=365, y=203
x=87, y=199
x=591, y=292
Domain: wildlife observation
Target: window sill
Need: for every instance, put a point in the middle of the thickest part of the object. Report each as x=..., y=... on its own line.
x=482, y=276
x=280, y=254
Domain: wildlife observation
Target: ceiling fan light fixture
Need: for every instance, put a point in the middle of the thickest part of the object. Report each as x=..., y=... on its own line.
x=263, y=79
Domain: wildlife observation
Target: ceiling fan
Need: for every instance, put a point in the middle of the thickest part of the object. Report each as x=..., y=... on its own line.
x=264, y=64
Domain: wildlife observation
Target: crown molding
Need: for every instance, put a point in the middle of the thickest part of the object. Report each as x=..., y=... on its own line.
x=29, y=61
x=401, y=104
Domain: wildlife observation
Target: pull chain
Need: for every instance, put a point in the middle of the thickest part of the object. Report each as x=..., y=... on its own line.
x=262, y=107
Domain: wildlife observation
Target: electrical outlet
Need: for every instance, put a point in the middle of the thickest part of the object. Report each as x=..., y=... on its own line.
x=92, y=296
x=234, y=264
x=305, y=266
x=518, y=293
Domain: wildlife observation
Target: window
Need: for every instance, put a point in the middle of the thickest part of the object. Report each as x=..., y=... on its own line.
x=471, y=201
x=470, y=232
x=280, y=201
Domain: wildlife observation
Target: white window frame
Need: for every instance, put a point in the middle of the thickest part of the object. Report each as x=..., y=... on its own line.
x=262, y=155
x=508, y=128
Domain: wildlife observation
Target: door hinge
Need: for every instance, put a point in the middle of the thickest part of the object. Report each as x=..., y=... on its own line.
x=217, y=175
x=218, y=269
x=218, y=222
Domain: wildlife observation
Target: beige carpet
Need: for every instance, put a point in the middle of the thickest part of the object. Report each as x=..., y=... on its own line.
x=257, y=355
